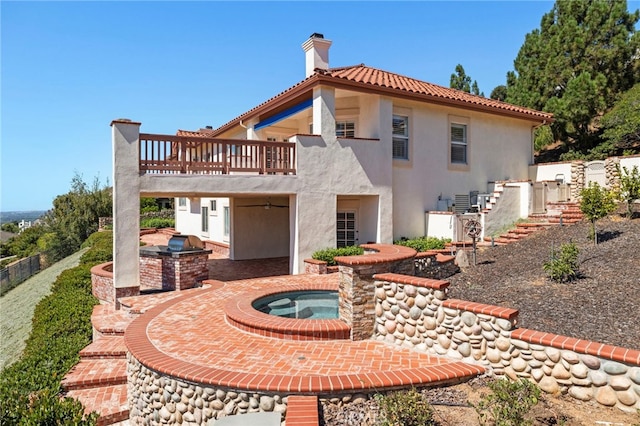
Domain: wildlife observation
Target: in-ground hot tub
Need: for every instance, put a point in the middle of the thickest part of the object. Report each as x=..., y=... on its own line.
x=305, y=304
x=292, y=312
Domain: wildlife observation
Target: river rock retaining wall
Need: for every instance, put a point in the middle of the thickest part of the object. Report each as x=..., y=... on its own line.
x=156, y=399
x=414, y=312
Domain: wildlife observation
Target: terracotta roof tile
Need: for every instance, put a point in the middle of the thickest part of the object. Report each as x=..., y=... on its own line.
x=375, y=79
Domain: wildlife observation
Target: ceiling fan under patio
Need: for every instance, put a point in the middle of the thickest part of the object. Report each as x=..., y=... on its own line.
x=266, y=205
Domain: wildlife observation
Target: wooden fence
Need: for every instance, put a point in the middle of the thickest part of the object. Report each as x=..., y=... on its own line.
x=18, y=272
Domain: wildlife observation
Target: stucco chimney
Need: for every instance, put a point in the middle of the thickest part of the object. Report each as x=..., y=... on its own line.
x=316, y=53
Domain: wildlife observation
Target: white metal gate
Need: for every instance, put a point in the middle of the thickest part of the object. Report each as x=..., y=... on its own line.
x=346, y=230
x=594, y=171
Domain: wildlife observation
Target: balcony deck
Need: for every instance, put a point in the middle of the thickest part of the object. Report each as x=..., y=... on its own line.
x=171, y=154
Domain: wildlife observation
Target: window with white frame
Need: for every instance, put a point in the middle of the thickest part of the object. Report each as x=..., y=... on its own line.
x=458, y=143
x=401, y=137
x=205, y=219
x=213, y=207
x=345, y=129
x=182, y=203
x=227, y=221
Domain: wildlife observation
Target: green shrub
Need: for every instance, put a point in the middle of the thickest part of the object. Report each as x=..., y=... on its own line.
x=629, y=187
x=596, y=202
x=61, y=327
x=563, y=265
x=508, y=402
x=101, y=244
x=329, y=254
x=421, y=244
x=406, y=408
x=157, y=222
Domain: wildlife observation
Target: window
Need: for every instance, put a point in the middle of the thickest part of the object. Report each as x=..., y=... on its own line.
x=182, y=203
x=227, y=221
x=205, y=220
x=346, y=234
x=401, y=137
x=213, y=207
x=345, y=129
x=458, y=143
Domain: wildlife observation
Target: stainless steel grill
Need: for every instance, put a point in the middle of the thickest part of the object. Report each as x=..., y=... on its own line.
x=181, y=242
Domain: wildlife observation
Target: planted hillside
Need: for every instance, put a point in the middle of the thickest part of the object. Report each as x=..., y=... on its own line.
x=30, y=388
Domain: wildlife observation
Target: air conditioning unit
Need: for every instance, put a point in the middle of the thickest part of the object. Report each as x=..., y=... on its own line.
x=462, y=203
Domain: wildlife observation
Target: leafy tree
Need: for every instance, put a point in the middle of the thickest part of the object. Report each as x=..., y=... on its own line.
x=460, y=80
x=576, y=65
x=11, y=227
x=499, y=93
x=622, y=124
x=74, y=217
x=596, y=202
x=148, y=204
x=630, y=187
x=25, y=244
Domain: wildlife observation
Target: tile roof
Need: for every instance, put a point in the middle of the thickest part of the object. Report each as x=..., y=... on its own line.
x=375, y=77
x=364, y=78
x=199, y=133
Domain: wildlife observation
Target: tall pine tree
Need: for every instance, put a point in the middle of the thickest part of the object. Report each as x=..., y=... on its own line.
x=577, y=64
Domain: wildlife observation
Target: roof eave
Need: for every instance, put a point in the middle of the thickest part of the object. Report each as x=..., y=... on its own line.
x=339, y=83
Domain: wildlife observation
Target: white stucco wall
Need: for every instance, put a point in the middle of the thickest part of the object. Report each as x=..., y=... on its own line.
x=441, y=225
x=498, y=149
x=549, y=171
x=188, y=218
x=629, y=162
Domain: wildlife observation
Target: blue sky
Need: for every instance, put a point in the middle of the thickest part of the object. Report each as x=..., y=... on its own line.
x=70, y=68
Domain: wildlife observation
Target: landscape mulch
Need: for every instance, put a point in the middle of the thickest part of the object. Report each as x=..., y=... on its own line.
x=602, y=305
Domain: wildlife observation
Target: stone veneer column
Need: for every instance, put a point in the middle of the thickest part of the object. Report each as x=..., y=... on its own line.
x=357, y=303
x=126, y=208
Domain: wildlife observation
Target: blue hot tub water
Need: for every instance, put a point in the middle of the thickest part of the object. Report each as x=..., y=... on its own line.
x=300, y=304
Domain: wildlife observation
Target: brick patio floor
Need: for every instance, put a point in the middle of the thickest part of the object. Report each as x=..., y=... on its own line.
x=189, y=337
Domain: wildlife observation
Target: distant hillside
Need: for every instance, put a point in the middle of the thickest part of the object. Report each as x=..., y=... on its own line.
x=21, y=215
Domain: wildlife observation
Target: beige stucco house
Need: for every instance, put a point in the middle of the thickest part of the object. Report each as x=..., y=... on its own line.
x=347, y=155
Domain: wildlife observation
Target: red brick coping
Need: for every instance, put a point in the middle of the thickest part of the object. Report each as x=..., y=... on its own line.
x=145, y=351
x=600, y=350
x=480, y=308
x=384, y=253
x=104, y=270
x=241, y=314
x=411, y=280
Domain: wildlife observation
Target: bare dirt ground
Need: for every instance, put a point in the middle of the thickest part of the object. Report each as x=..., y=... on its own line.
x=603, y=305
x=17, y=306
x=452, y=406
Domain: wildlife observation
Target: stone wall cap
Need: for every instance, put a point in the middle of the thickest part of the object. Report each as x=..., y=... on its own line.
x=384, y=253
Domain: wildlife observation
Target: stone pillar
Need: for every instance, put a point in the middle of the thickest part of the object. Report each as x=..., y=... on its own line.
x=356, y=290
x=577, y=179
x=126, y=208
x=612, y=173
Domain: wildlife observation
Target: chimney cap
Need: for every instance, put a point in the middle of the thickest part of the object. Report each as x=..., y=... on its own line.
x=316, y=35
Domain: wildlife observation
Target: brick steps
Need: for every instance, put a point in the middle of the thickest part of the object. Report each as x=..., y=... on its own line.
x=302, y=411
x=107, y=321
x=92, y=373
x=99, y=380
x=107, y=347
x=110, y=401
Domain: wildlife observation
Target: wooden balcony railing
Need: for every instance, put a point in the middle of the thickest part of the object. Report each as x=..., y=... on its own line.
x=167, y=154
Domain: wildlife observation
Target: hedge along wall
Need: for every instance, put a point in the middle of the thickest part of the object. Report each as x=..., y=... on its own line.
x=415, y=312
